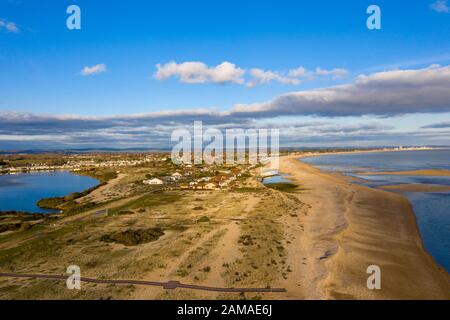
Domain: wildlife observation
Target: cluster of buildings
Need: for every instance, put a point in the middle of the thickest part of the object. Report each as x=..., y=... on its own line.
x=188, y=176
x=78, y=164
x=206, y=178
x=84, y=162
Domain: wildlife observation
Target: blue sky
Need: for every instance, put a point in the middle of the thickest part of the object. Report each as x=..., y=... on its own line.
x=41, y=61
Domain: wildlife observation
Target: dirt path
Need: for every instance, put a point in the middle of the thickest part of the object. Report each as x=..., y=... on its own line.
x=226, y=251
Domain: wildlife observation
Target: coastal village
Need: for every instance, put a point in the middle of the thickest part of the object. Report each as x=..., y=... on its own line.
x=184, y=176
x=150, y=215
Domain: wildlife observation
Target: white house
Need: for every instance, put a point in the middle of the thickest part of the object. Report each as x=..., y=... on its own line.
x=176, y=176
x=210, y=186
x=223, y=184
x=154, y=181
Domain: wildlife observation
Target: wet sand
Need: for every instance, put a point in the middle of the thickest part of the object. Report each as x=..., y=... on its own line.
x=351, y=227
x=417, y=187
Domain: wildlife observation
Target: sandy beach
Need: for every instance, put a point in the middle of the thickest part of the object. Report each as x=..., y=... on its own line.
x=350, y=227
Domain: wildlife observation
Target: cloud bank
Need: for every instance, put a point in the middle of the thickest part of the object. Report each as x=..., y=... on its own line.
x=386, y=93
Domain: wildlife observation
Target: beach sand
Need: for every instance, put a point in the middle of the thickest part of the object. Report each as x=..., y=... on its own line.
x=350, y=227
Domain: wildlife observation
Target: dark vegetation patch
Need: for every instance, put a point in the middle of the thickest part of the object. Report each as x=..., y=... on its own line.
x=10, y=227
x=50, y=203
x=133, y=237
x=24, y=215
x=283, y=186
x=206, y=269
x=203, y=219
x=14, y=220
x=246, y=240
x=123, y=212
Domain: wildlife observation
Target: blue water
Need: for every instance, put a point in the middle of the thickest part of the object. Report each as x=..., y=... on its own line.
x=432, y=209
x=276, y=179
x=21, y=192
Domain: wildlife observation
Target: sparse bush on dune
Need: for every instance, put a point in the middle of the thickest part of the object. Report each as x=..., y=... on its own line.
x=203, y=219
x=125, y=212
x=282, y=186
x=133, y=237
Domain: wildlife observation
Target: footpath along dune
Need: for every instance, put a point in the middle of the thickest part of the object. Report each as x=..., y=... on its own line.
x=349, y=228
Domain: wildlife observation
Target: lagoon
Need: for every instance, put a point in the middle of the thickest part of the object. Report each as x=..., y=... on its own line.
x=21, y=192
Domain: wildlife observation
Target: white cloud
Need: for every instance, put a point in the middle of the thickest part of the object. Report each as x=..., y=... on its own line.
x=261, y=76
x=440, y=6
x=9, y=26
x=336, y=73
x=98, y=68
x=226, y=72
x=297, y=73
x=293, y=76
x=198, y=72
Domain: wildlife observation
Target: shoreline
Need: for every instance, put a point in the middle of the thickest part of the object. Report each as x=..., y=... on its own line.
x=357, y=226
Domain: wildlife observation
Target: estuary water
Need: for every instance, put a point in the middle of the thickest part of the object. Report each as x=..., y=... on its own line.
x=21, y=192
x=432, y=209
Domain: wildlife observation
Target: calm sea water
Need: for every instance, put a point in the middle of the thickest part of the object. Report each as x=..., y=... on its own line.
x=21, y=192
x=432, y=209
